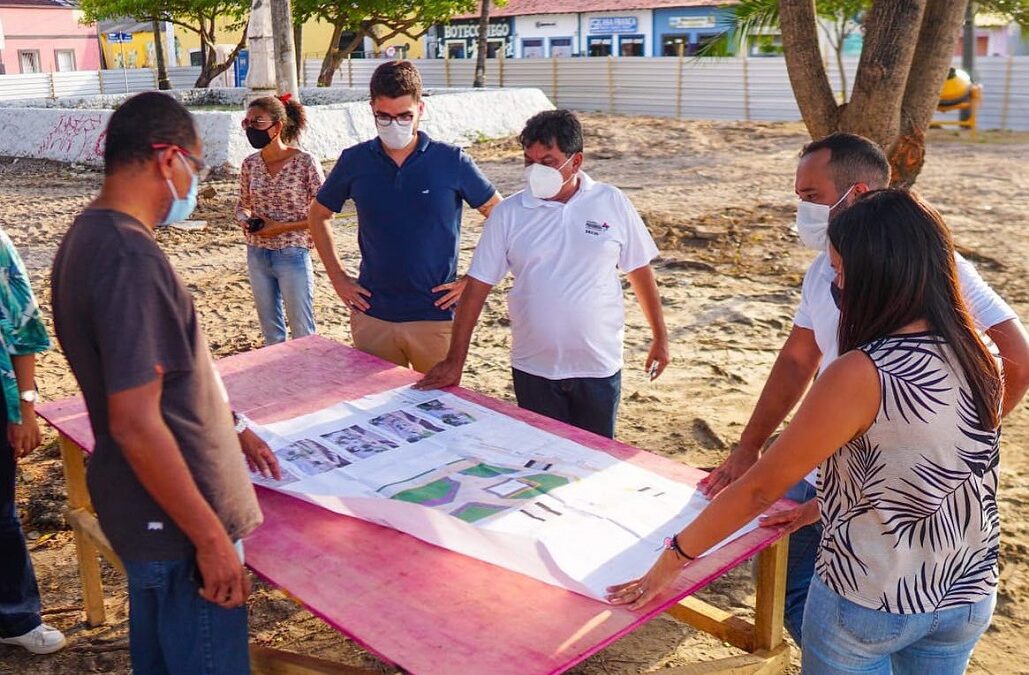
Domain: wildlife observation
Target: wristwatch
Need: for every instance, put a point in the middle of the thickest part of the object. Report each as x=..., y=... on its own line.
x=241, y=422
x=29, y=396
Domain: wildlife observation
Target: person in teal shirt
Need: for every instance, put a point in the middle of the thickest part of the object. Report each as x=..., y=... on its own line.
x=22, y=336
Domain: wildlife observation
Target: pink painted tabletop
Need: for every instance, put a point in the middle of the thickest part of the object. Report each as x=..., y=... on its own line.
x=421, y=607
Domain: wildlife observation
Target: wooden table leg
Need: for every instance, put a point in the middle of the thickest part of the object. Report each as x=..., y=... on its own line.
x=85, y=549
x=268, y=661
x=771, y=595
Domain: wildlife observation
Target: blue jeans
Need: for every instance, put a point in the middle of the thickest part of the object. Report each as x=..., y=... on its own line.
x=855, y=639
x=19, y=595
x=174, y=631
x=282, y=277
x=590, y=403
x=800, y=565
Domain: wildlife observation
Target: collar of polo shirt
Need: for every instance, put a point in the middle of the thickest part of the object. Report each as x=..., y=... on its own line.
x=585, y=184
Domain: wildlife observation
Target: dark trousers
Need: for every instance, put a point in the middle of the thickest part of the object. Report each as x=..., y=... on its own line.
x=590, y=403
x=19, y=595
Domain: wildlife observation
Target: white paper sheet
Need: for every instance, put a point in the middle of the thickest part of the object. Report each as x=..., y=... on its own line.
x=472, y=480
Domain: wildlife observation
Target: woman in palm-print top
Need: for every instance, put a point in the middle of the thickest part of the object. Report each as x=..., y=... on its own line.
x=906, y=429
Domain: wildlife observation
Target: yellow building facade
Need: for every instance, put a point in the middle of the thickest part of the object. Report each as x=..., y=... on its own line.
x=314, y=42
x=138, y=50
x=127, y=44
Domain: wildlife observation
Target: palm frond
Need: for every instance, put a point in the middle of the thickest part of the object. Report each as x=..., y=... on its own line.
x=746, y=18
x=962, y=578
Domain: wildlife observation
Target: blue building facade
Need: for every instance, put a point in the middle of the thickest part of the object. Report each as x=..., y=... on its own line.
x=686, y=30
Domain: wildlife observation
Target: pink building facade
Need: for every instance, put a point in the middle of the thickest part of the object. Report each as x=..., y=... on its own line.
x=43, y=36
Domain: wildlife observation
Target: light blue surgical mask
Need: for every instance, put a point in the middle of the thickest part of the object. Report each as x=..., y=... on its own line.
x=182, y=207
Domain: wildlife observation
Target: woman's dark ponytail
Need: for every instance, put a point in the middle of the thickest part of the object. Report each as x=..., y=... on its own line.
x=296, y=118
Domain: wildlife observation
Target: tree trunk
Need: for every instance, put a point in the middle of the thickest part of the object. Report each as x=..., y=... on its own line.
x=482, y=47
x=891, y=27
x=810, y=82
x=162, y=70
x=212, y=68
x=298, y=45
x=334, y=57
x=203, y=47
x=908, y=46
x=937, y=38
x=285, y=50
x=329, y=64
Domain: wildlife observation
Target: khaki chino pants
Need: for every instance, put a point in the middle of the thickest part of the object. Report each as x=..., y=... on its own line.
x=415, y=344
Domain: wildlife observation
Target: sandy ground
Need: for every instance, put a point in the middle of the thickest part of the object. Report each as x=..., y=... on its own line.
x=718, y=199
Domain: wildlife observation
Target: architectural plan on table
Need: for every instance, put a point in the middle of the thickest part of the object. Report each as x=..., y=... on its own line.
x=472, y=480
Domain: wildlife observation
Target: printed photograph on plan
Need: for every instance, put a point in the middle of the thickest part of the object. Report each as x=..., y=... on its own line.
x=310, y=457
x=406, y=426
x=359, y=442
x=445, y=413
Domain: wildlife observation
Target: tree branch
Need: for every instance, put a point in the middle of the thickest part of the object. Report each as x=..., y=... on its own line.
x=937, y=38
x=394, y=31
x=810, y=82
x=882, y=74
x=187, y=26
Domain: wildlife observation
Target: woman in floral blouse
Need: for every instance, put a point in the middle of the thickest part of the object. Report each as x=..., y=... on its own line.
x=277, y=184
x=22, y=336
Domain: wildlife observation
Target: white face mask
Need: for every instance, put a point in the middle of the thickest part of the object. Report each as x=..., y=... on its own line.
x=396, y=136
x=812, y=223
x=544, y=182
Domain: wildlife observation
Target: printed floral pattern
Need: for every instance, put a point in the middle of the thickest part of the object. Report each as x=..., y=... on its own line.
x=284, y=197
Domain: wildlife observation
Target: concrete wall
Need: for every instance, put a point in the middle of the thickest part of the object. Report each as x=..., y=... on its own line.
x=76, y=135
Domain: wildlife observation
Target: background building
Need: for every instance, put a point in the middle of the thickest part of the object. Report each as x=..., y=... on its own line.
x=598, y=28
x=127, y=43
x=43, y=36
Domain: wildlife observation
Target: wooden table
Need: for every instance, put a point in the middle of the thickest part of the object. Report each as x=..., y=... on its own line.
x=420, y=607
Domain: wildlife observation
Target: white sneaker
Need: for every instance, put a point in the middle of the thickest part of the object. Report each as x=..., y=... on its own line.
x=42, y=639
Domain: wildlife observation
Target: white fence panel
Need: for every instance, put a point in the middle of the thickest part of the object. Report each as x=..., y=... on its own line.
x=128, y=80
x=184, y=77
x=77, y=83
x=13, y=87
x=1005, y=93
x=714, y=89
x=755, y=88
x=768, y=88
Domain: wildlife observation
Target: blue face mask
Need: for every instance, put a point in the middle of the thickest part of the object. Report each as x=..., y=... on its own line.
x=182, y=207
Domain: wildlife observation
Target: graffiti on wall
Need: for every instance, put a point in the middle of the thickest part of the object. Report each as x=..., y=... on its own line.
x=75, y=137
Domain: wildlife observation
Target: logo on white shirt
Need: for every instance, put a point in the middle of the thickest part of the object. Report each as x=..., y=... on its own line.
x=596, y=229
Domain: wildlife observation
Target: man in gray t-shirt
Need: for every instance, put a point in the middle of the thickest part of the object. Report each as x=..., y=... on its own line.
x=167, y=477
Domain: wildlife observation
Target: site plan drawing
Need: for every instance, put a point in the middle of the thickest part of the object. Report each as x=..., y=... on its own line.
x=475, y=481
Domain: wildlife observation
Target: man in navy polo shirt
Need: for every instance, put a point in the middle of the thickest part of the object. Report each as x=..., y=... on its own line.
x=408, y=190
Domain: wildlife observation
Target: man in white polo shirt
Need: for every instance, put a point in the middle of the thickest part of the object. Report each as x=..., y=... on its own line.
x=565, y=238
x=832, y=173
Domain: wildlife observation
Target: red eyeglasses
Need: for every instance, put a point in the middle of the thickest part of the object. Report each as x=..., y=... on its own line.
x=199, y=167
